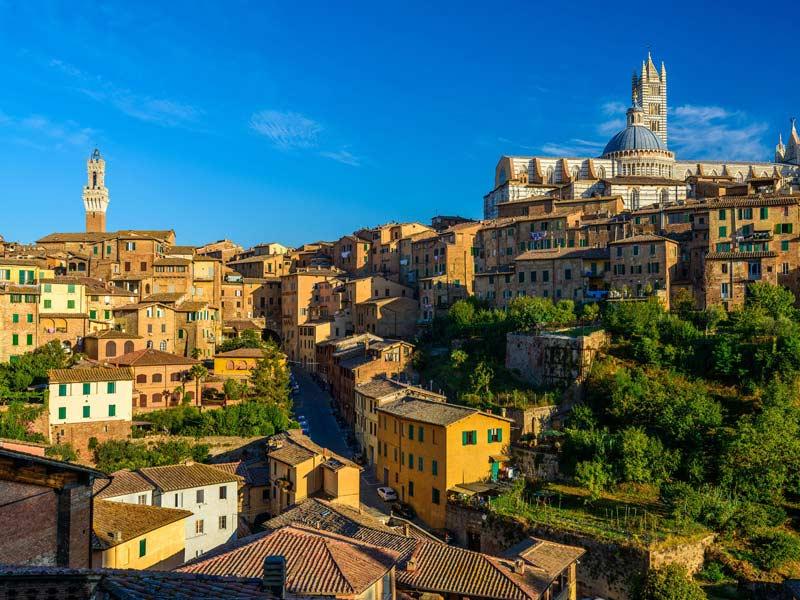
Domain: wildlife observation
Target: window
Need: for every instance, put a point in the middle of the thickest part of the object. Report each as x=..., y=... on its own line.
x=434, y=467
x=62, y=389
x=420, y=434
x=142, y=547
x=15, y=318
x=545, y=276
x=420, y=464
x=87, y=389
x=223, y=522
x=71, y=288
x=87, y=412
x=435, y=498
x=495, y=435
x=410, y=432
x=92, y=314
x=48, y=304
x=636, y=250
x=469, y=438
x=410, y=461
x=111, y=387
x=745, y=213
x=47, y=287
x=652, y=249
x=62, y=412
x=783, y=228
x=198, y=527
x=29, y=339
x=14, y=339
x=784, y=246
x=763, y=213
x=112, y=410
x=567, y=274
x=724, y=291
x=411, y=489
x=223, y=493
x=201, y=496
x=70, y=303
x=142, y=499
x=723, y=231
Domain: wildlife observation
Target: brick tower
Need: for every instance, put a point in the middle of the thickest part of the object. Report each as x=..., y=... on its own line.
x=95, y=194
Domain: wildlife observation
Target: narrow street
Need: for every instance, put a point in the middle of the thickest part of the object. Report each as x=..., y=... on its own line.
x=315, y=405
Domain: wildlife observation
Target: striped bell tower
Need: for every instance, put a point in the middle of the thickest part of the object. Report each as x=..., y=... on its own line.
x=649, y=90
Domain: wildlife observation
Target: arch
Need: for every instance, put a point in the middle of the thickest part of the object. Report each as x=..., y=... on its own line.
x=142, y=378
x=241, y=365
x=664, y=195
x=142, y=399
x=49, y=325
x=230, y=365
x=635, y=199
x=601, y=172
x=156, y=378
x=149, y=344
x=111, y=348
x=61, y=325
x=156, y=398
x=163, y=346
x=576, y=173
x=147, y=288
x=128, y=347
x=550, y=175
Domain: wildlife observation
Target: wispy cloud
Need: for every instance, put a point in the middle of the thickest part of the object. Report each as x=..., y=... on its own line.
x=286, y=130
x=716, y=132
x=159, y=111
x=344, y=157
x=613, y=108
x=41, y=132
x=573, y=147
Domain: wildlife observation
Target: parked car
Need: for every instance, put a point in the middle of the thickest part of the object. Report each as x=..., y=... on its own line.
x=401, y=509
x=387, y=494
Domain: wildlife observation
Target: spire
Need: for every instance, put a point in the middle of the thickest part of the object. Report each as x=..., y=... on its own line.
x=793, y=135
x=663, y=71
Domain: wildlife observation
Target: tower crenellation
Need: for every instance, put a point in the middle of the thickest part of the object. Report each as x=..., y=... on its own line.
x=95, y=193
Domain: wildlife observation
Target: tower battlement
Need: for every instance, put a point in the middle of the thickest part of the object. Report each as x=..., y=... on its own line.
x=95, y=193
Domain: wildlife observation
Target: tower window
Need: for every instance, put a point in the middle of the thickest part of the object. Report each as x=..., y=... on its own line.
x=94, y=179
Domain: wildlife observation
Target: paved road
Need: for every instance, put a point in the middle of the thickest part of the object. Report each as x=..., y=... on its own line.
x=315, y=405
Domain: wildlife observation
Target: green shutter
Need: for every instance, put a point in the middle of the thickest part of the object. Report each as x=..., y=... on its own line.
x=777, y=228
x=463, y=438
x=112, y=410
x=62, y=412
x=30, y=318
x=499, y=434
x=15, y=318
x=87, y=389
x=142, y=547
x=48, y=304
x=62, y=389
x=29, y=339
x=489, y=435
x=87, y=412
x=111, y=388
x=70, y=303
x=420, y=434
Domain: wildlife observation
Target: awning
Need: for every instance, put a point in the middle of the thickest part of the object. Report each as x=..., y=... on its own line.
x=499, y=458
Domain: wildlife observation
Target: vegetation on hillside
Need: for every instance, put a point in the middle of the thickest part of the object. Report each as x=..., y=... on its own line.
x=124, y=454
x=27, y=370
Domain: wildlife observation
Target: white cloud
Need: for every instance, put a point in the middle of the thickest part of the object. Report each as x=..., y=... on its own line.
x=160, y=111
x=614, y=108
x=42, y=132
x=344, y=157
x=574, y=147
x=286, y=130
x=713, y=132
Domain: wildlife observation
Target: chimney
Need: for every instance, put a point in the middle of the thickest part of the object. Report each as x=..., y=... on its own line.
x=519, y=566
x=116, y=535
x=411, y=564
x=274, y=579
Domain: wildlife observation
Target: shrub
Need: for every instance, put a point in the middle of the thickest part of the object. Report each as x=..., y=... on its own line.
x=671, y=582
x=774, y=548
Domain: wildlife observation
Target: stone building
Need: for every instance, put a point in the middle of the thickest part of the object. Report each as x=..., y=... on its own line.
x=161, y=379
x=19, y=318
x=387, y=317
x=95, y=194
x=642, y=265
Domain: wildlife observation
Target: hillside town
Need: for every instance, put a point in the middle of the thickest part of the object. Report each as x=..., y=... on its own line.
x=571, y=397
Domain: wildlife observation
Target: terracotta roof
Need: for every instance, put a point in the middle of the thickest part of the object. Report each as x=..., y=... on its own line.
x=241, y=324
x=112, y=334
x=129, y=520
x=122, y=483
x=641, y=239
x=379, y=387
x=10, y=288
x=739, y=255
x=191, y=306
x=564, y=254
x=549, y=557
x=88, y=237
x=293, y=447
x=408, y=302
x=183, y=477
x=317, y=562
x=430, y=411
x=165, y=297
x=90, y=374
x=736, y=201
x=180, y=250
x=60, y=315
x=151, y=357
x=23, y=262
x=118, y=584
x=238, y=468
x=241, y=353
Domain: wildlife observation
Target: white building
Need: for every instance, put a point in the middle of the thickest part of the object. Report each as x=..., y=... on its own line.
x=636, y=163
x=209, y=493
x=89, y=402
x=125, y=486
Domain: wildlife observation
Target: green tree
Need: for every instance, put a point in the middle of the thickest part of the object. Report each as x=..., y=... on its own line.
x=481, y=379
x=249, y=338
x=196, y=353
x=270, y=377
x=670, y=582
x=633, y=318
x=462, y=315
x=643, y=459
x=776, y=300
x=594, y=475
x=62, y=452
x=458, y=358
x=529, y=312
x=198, y=372
x=232, y=389
x=774, y=548
x=590, y=312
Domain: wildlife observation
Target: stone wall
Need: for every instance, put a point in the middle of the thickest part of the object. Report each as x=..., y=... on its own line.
x=79, y=434
x=553, y=359
x=530, y=421
x=536, y=463
x=604, y=571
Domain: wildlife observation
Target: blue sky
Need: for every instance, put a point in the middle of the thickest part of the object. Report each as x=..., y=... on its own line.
x=293, y=122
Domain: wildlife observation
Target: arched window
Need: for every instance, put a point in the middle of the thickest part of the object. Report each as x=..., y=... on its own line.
x=142, y=399
x=141, y=379
x=156, y=378
x=635, y=199
x=163, y=346
x=94, y=179
x=146, y=288
x=230, y=365
x=111, y=349
x=149, y=344
x=664, y=196
x=601, y=172
x=128, y=346
x=576, y=173
x=156, y=398
x=550, y=177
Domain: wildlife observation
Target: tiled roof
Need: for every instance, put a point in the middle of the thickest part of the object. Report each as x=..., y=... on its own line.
x=89, y=237
x=151, y=357
x=118, y=584
x=643, y=238
x=565, y=254
x=172, y=261
x=736, y=201
x=241, y=324
x=112, y=334
x=238, y=468
x=191, y=306
x=165, y=297
x=171, y=250
x=317, y=562
x=429, y=411
x=62, y=315
x=293, y=447
x=241, y=353
x=739, y=255
x=379, y=387
x=122, y=483
x=548, y=557
x=186, y=476
x=439, y=568
x=23, y=262
x=90, y=374
x=129, y=521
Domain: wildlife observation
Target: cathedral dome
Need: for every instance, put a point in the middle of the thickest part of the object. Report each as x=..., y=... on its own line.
x=634, y=137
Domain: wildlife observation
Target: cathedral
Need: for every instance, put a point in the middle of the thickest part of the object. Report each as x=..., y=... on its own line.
x=637, y=163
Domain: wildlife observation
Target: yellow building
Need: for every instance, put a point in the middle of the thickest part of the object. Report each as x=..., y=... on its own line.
x=299, y=468
x=137, y=536
x=63, y=311
x=23, y=270
x=237, y=364
x=427, y=447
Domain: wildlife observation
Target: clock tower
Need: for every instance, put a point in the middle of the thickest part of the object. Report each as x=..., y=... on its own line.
x=95, y=194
